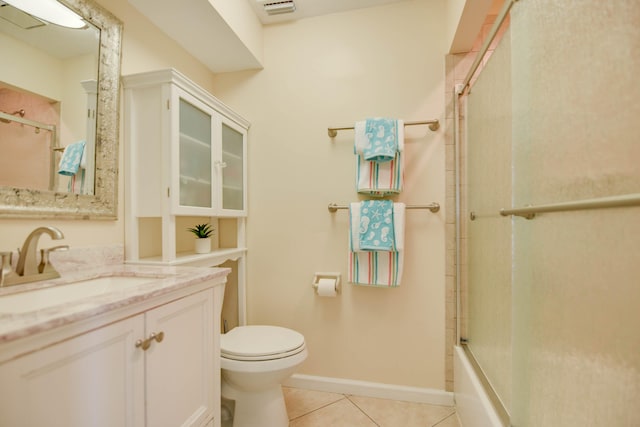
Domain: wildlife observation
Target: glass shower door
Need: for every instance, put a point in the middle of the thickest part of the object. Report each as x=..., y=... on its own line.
x=576, y=341
x=553, y=301
x=489, y=236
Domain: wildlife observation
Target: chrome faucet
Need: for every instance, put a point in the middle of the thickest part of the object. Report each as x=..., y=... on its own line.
x=28, y=269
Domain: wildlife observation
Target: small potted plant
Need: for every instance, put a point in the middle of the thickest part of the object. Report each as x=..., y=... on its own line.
x=203, y=237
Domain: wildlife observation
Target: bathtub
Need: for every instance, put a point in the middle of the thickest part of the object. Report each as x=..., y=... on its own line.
x=473, y=405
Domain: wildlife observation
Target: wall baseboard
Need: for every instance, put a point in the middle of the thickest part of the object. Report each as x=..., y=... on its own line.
x=371, y=389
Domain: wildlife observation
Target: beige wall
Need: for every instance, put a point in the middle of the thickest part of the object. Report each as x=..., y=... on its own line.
x=464, y=20
x=144, y=48
x=239, y=15
x=332, y=71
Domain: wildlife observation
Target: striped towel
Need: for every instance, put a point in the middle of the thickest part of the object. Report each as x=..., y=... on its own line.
x=375, y=178
x=379, y=179
x=76, y=182
x=375, y=268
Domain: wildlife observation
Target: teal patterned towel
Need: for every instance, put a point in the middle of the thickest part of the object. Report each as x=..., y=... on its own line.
x=376, y=226
x=382, y=135
x=70, y=161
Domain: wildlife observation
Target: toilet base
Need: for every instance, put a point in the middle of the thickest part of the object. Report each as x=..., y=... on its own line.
x=258, y=408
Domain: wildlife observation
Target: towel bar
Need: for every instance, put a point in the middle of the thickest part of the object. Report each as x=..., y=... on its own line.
x=433, y=207
x=529, y=212
x=434, y=125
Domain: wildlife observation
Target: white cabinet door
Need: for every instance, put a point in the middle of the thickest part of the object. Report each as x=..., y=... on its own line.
x=231, y=163
x=93, y=380
x=192, y=143
x=180, y=386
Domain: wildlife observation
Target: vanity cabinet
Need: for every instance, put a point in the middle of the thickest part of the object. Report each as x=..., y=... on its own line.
x=119, y=374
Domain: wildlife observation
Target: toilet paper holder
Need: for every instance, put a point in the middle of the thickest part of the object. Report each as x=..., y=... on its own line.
x=326, y=275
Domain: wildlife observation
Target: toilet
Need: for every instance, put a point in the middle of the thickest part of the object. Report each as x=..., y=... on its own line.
x=255, y=360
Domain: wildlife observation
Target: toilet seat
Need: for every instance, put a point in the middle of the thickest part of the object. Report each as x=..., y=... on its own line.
x=260, y=342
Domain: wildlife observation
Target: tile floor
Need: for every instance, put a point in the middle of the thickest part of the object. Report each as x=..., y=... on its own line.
x=309, y=408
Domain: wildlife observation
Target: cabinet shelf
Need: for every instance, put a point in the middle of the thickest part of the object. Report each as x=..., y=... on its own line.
x=194, y=141
x=194, y=180
x=213, y=258
x=229, y=155
x=233, y=188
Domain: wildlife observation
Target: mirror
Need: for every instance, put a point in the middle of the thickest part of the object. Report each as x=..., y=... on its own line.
x=45, y=108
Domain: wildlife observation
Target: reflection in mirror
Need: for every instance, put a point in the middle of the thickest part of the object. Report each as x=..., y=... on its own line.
x=58, y=113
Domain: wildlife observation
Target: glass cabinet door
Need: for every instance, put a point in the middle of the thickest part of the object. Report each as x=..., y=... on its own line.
x=195, y=154
x=233, y=147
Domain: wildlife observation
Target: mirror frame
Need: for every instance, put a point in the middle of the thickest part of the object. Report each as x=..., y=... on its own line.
x=28, y=203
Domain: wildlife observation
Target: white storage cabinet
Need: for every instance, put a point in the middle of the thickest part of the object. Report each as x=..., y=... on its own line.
x=186, y=155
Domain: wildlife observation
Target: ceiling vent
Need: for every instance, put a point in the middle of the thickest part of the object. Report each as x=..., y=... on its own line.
x=279, y=7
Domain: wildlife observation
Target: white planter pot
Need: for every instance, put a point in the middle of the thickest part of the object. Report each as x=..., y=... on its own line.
x=203, y=246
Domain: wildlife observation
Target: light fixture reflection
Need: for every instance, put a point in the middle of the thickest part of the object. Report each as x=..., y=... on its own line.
x=49, y=10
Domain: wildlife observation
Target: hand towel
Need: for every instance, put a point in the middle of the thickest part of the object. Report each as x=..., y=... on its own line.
x=71, y=157
x=376, y=230
x=379, y=139
x=375, y=178
x=375, y=268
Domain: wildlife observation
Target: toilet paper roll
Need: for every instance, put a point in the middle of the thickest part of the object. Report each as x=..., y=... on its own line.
x=327, y=287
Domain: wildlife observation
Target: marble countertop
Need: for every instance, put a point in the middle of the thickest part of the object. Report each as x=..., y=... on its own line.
x=162, y=280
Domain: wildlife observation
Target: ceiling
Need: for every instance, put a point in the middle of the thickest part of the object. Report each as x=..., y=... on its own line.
x=309, y=8
x=58, y=41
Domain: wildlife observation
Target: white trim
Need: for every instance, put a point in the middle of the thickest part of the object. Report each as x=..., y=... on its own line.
x=371, y=389
x=473, y=405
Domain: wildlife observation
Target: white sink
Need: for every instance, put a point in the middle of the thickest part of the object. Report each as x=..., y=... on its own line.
x=38, y=299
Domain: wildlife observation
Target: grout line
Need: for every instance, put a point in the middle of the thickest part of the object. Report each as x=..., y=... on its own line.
x=453, y=414
x=317, y=409
x=360, y=409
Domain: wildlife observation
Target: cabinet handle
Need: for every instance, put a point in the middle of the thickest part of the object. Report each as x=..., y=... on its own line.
x=145, y=344
x=221, y=165
x=158, y=337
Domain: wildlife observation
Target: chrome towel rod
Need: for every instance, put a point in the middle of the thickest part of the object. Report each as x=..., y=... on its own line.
x=19, y=119
x=529, y=212
x=434, y=125
x=433, y=207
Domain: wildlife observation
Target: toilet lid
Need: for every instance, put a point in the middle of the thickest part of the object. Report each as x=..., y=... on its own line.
x=259, y=342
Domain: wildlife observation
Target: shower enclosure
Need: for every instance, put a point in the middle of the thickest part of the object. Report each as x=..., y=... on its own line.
x=551, y=301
